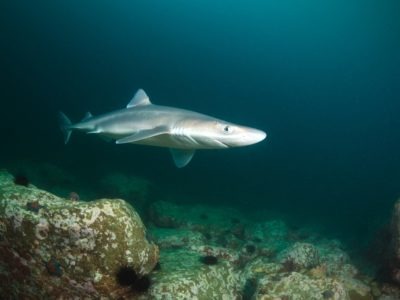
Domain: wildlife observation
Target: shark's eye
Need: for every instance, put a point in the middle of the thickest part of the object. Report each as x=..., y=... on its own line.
x=227, y=128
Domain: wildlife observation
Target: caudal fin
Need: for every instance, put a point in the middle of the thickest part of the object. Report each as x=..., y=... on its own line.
x=65, y=124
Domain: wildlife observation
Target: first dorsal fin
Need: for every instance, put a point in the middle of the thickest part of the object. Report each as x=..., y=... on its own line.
x=140, y=98
x=87, y=116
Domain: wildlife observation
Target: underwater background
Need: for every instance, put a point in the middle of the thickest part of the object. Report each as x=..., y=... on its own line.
x=320, y=77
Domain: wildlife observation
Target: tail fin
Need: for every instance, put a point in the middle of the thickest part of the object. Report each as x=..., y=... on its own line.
x=65, y=124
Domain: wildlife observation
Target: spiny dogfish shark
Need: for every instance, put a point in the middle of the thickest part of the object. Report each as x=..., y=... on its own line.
x=182, y=131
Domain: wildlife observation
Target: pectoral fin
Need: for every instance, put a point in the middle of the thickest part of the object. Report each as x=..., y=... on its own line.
x=87, y=116
x=105, y=138
x=143, y=134
x=181, y=157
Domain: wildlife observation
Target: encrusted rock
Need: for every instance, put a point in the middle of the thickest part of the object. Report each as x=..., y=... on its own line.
x=393, y=265
x=272, y=234
x=336, y=260
x=174, y=238
x=302, y=255
x=69, y=249
x=184, y=276
x=297, y=286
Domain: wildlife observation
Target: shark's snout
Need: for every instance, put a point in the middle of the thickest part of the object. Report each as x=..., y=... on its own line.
x=245, y=136
x=254, y=136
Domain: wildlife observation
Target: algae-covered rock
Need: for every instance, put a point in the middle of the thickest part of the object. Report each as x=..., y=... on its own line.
x=272, y=234
x=262, y=265
x=52, y=247
x=176, y=238
x=272, y=282
x=297, y=286
x=393, y=265
x=336, y=260
x=301, y=255
x=184, y=276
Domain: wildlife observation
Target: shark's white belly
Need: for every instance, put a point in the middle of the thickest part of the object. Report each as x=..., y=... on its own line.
x=176, y=142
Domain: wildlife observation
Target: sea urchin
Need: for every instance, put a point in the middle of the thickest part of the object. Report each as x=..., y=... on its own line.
x=209, y=260
x=127, y=276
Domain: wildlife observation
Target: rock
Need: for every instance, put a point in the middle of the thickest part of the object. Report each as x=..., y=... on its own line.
x=272, y=234
x=220, y=252
x=357, y=289
x=336, y=260
x=176, y=238
x=66, y=248
x=261, y=267
x=272, y=282
x=165, y=215
x=389, y=292
x=393, y=265
x=301, y=255
x=183, y=276
x=297, y=286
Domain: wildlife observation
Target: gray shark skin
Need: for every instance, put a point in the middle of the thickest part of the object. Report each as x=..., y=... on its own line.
x=182, y=131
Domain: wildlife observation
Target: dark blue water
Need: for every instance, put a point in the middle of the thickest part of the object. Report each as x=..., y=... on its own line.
x=322, y=78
